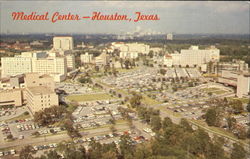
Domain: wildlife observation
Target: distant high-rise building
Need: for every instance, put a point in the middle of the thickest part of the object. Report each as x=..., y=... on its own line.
x=170, y=36
x=63, y=43
x=131, y=50
x=63, y=46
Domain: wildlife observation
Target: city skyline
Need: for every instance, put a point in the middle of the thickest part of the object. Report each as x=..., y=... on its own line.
x=178, y=17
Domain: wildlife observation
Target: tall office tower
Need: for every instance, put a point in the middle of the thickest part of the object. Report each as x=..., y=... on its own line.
x=63, y=43
x=170, y=36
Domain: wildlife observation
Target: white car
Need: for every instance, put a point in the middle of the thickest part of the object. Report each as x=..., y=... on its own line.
x=12, y=152
x=21, y=137
x=35, y=148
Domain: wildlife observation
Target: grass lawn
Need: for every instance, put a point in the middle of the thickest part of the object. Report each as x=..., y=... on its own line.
x=117, y=122
x=243, y=100
x=20, y=117
x=164, y=109
x=211, y=89
x=122, y=91
x=149, y=101
x=126, y=70
x=89, y=97
x=214, y=90
x=71, y=108
x=219, y=131
x=219, y=92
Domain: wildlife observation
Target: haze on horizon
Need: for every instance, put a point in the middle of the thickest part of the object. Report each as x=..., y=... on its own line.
x=182, y=17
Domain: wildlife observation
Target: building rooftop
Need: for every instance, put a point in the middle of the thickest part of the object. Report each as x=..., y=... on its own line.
x=62, y=37
x=40, y=90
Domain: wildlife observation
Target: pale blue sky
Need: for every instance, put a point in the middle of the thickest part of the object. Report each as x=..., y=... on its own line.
x=179, y=17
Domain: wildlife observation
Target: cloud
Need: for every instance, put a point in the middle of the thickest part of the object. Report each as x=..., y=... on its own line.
x=228, y=7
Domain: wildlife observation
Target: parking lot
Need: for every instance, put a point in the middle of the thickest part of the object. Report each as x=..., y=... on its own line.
x=103, y=138
x=73, y=88
x=11, y=113
x=191, y=102
x=96, y=113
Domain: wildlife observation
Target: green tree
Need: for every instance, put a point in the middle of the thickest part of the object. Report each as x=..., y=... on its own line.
x=185, y=125
x=52, y=154
x=202, y=142
x=135, y=100
x=162, y=71
x=109, y=155
x=127, y=64
x=50, y=115
x=26, y=113
x=155, y=122
x=172, y=135
x=72, y=132
x=126, y=147
x=85, y=79
x=215, y=151
x=167, y=122
x=26, y=152
x=231, y=122
x=70, y=151
x=95, y=151
x=10, y=136
x=238, y=152
x=143, y=151
x=242, y=133
x=248, y=133
x=212, y=117
x=151, y=54
x=248, y=106
x=237, y=106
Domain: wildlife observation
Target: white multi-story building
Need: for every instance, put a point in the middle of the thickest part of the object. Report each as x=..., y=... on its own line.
x=70, y=60
x=238, y=79
x=102, y=60
x=86, y=58
x=170, y=36
x=196, y=57
x=168, y=60
x=70, y=57
x=40, y=92
x=63, y=43
x=40, y=97
x=130, y=50
x=15, y=65
x=37, y=91
x=63, y=46
x=193, y=56
x=129, y=55
x=243, y=85
x=38, y=62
